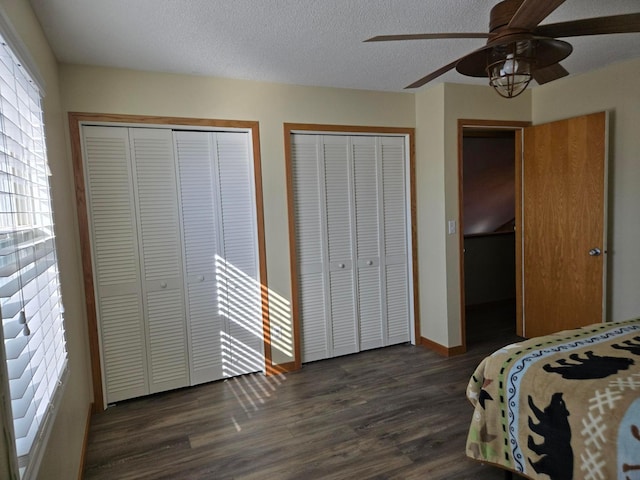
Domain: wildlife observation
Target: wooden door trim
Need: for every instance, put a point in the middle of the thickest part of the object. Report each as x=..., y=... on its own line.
x=519, y=270
x=75, y=120
x=289, y=129
x=517, y=127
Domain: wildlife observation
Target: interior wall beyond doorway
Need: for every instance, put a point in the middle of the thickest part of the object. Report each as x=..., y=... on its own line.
x=488, y=212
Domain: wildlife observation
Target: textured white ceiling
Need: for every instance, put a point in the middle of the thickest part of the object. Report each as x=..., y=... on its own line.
x=305, y=42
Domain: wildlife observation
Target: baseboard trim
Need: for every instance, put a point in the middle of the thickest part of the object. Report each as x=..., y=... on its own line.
x=85, y=442
x=441, y=349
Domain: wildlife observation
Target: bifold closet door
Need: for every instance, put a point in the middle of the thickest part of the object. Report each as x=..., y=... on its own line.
x=199, y=196
x=338, y=189
x=395, y=242
x=239, y=265
x=161, y=257
x=367, y=181
x=116, y=267
x=350, y=214
x=137, y=259
x=310, y=232
x=322, y=174
x=174, y=245
x=221, y=256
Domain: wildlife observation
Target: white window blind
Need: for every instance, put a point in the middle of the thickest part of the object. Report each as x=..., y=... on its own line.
x=32, y=325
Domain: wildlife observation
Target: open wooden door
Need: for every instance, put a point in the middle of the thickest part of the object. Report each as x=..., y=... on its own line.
x=563, y=224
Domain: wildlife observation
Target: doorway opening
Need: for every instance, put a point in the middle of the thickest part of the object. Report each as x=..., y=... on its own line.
x=488, y=205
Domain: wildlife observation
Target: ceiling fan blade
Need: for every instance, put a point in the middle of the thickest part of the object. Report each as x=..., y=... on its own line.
x=424, y=36
x=432, y=75
x=629, y=23
x=549, y=74
x=532, y=12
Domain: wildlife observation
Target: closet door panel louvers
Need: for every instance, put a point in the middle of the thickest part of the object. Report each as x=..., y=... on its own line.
x=161, y=257
x=123, y=339
x=201, y=236
x=310, y=247
x=350, y=213
x=239, y=267
x=338, y=193
x=174, y=245
x=366, y=187
x=395, y=239
x=111, y=212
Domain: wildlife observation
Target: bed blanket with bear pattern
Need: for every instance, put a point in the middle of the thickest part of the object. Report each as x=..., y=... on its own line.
x=561, y=407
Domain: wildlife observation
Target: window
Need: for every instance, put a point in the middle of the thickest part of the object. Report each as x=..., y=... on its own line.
x=35, y=357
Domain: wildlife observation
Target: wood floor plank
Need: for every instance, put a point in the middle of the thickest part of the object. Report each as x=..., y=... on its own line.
x=394, y=413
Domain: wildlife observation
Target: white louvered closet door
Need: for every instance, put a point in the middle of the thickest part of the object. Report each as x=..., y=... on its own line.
x=367, y=183
x=396, y=257
x=350, y=214
x=310, y=231
x=161, y=257
x=114, y=243
x=340, y=230
x=238, y=267
x=200, y=210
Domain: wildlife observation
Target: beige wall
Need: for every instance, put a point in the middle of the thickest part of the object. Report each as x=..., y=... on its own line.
x=613, y=89
x=430, y=193
x=105, y=90
x=62, y=458
x=437, y=112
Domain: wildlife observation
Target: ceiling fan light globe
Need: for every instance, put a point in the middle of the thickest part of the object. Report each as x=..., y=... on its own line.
x=510, y=65
x=509, y=74
x=509, y=85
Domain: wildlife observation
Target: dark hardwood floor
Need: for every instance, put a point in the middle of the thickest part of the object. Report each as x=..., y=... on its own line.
x=394, y=413
x=488, y=321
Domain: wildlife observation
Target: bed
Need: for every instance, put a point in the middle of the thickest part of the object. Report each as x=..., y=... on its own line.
x=561, y=407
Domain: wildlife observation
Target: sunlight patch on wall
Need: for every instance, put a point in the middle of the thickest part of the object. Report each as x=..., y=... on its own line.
x=280, y=316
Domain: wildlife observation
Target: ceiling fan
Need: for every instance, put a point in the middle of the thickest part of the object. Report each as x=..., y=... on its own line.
x=517, y=48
